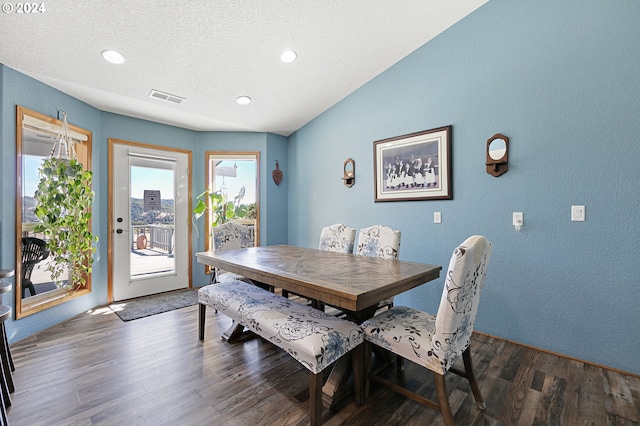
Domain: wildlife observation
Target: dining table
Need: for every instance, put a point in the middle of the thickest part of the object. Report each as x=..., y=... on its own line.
x=352, y=283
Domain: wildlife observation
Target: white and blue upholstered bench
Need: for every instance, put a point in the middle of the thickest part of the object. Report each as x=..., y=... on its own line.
x=312, y=337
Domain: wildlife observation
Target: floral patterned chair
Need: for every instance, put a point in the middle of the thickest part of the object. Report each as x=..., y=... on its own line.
x=312, y=337
x=379, y=241
x=339, y=238
x=436, y=342
x=230, y=236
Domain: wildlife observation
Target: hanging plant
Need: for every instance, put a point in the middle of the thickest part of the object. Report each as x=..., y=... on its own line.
x=64, y=198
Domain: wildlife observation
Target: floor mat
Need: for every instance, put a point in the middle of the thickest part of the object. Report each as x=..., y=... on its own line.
x=141, y=307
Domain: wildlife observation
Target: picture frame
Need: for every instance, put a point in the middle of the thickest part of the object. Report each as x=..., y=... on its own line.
x=416, y=166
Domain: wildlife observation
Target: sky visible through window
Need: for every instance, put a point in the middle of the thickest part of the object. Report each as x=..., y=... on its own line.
x=148, y=178
x=246, y=177
x=160, y=179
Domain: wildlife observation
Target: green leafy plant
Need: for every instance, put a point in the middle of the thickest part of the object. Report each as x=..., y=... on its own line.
x=64, y=197
x=223, y=211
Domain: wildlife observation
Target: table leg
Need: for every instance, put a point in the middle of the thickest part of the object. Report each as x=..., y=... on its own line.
x=336, y=385
x=233, y=333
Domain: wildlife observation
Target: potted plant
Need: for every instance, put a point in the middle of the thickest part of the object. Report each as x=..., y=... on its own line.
x=64, y=196
x=221, y=209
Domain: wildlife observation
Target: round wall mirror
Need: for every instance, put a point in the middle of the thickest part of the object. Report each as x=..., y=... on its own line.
x=497, y=161
x=497, y=149
x=349, y=170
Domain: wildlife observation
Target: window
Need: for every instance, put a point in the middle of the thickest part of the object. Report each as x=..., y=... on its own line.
x=235, y=177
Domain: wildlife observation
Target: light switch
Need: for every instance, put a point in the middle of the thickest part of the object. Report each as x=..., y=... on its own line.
x=437, y=217
x=518, y=220
x=577, y=213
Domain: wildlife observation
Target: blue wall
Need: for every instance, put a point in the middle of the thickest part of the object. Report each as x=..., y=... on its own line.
x=18, y=89
x=560, y=79
x=277, y=198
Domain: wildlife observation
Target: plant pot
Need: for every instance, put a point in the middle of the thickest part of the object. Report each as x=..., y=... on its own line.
x=141, y=242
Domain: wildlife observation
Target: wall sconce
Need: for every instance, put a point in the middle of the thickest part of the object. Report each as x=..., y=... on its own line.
x=497, y=154
x=349, y=173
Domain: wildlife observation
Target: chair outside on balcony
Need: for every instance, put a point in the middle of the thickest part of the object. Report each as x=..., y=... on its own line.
x=379, y=241
x=436, y=341
x=34, y=251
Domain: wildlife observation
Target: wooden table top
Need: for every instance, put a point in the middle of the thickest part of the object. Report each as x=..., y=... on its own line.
x=346, y=281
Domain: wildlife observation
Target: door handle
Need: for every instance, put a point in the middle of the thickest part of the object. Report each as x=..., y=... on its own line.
x=120, y=231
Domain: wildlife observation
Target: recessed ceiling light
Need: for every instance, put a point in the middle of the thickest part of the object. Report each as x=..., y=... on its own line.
x=113, y=57
x=243, y=100
x=288, y=56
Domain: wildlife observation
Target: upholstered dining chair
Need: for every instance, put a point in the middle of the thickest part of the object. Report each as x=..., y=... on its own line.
x=379, y=241
x=338, y=237
x=436, y=341
x=230, y=236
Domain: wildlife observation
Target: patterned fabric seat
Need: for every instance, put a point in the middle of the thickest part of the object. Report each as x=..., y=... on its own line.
x=312, y=337
x=436, y=342
x=230, y=236
x=339, y=238
x=379, y=241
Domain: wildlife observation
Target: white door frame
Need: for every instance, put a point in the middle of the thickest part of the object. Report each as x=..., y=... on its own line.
x=182, y=278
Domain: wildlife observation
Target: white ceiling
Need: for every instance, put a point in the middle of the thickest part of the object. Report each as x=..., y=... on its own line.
x=212, y=51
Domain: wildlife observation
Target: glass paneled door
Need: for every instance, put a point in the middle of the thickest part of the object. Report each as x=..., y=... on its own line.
x=150, y=221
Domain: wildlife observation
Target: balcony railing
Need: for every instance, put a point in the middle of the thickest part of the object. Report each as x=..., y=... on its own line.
x=157, y=237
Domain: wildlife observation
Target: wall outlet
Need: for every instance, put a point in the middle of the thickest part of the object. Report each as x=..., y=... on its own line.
x=577, y=213
x=518, y=220
x=437, y=217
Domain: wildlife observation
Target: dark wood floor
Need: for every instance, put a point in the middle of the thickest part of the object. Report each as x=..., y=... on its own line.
x=97, y=370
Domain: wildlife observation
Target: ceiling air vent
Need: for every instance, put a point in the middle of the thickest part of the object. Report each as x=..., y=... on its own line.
x=167, y=97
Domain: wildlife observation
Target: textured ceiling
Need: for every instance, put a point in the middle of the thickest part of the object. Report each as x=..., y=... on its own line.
x=210, y=52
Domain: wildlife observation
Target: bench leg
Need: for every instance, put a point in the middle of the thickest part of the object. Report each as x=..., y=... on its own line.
x=315, y=398
x=201, y=319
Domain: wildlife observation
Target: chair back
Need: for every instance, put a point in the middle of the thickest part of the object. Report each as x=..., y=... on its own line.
x=230, y=236
x=460, y=297
x=339, y=238
x=379, y=241
x=34, y=250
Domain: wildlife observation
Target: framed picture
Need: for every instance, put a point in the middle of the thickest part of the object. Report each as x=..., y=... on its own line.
x=416, y=166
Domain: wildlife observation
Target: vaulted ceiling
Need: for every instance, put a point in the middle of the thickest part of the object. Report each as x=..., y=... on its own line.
x=210, y=52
